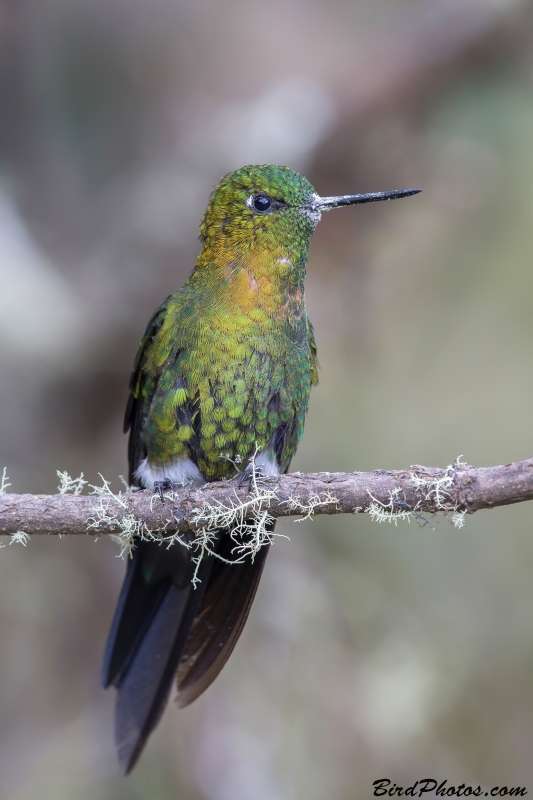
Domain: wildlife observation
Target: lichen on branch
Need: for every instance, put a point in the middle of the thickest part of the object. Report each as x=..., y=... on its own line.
x=420, y=492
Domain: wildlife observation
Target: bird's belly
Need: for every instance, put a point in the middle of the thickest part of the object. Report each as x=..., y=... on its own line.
x=182, y=471
x=234, y=402
x=251, y=410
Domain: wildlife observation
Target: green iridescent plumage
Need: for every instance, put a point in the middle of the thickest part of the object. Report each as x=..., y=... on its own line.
x=223, y=373
x=227, y=362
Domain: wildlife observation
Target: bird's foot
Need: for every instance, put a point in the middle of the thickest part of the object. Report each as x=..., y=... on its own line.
x=253, y=475
x=163, y=486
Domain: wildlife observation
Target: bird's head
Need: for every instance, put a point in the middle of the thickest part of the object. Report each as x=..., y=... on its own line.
x=262, y=217
x=259, y=206
x=264, y=206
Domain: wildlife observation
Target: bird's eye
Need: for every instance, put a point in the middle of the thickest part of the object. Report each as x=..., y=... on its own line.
x=261, y=203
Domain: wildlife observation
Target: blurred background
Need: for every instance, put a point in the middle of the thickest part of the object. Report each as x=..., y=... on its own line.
x=371, y=651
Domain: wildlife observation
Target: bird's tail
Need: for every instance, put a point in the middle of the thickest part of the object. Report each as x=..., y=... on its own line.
x=163, y=625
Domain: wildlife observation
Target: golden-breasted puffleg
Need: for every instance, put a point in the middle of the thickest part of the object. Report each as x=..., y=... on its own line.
x=223, y=373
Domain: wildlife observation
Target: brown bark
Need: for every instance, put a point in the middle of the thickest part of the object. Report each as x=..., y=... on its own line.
x=470, y=489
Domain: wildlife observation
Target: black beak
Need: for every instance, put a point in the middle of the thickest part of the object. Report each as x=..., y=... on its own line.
x=327, y=203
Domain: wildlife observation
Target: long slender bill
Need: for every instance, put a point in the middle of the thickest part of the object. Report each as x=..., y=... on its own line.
x=327, y=203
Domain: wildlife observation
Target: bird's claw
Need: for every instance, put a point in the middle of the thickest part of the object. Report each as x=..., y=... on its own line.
x=252, y=475
x=162, y=486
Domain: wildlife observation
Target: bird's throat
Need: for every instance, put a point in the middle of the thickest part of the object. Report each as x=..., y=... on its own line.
x=269, y=280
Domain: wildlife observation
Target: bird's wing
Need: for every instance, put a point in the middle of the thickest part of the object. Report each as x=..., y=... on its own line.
x=219, y=621
x=158, y=601
x=314, y=356
x=141, y=592
x=143, y=385
x=152, y=410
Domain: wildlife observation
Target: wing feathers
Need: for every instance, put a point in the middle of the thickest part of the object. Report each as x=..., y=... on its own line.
x=144, y=689
x=219, y=623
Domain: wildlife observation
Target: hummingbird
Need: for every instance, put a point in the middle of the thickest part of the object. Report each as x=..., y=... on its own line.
x=222, y=376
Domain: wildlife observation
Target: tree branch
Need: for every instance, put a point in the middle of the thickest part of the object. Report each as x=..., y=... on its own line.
x=418, y=490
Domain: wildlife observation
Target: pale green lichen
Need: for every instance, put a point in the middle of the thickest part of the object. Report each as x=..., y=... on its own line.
x=433, y=490
x=458, y=519
x=307, y=509
x=128, y=488
x=19, y=538
x=4, y=482
x=4, y=485
x=249, y=524
x=106, y=513
x=68, y=485
x=389, y=512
